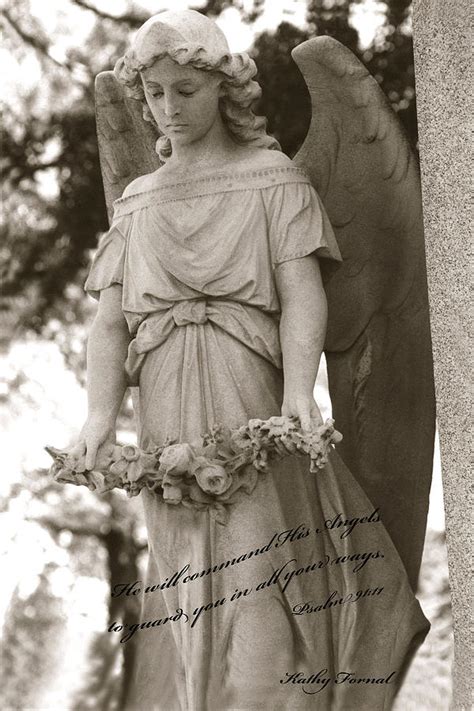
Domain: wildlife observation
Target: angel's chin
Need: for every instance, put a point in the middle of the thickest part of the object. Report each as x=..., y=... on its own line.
x=180, y=135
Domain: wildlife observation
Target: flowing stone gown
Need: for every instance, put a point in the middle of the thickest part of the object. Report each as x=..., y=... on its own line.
x=196, y=260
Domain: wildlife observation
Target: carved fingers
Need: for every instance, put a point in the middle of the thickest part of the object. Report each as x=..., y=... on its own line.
x=305, y=408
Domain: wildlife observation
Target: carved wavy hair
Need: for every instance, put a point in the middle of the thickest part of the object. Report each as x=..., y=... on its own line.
x=240, y=92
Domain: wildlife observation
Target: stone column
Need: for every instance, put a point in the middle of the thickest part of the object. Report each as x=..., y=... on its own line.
x=443, y=84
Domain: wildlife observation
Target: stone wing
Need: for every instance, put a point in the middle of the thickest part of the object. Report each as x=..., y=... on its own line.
x=378, y=346
x=126, y=141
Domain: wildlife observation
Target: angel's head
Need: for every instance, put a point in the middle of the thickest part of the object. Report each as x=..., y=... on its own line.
x=180, y=65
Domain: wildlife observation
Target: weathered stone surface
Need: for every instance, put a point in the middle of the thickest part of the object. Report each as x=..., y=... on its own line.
x=443, y=79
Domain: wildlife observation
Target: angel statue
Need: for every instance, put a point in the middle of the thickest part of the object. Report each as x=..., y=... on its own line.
x=213, y=308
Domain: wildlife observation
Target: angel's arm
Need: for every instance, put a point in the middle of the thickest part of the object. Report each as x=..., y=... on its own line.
x=302, y=333
x=106, y=382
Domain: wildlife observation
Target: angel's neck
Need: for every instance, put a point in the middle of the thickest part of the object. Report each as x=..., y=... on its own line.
x=211, y=149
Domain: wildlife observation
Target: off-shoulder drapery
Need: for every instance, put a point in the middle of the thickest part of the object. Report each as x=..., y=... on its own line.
x=196, y=261
x=218, y=224
x=206, y=240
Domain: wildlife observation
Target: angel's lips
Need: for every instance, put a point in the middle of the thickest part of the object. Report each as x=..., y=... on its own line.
x=176, y=126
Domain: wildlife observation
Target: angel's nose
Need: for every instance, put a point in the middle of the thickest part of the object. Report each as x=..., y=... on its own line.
x=171, y=106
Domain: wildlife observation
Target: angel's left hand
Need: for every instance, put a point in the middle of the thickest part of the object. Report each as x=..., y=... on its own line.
x=303, y=407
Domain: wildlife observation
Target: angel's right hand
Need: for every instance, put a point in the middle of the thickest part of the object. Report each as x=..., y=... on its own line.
x=96, y=438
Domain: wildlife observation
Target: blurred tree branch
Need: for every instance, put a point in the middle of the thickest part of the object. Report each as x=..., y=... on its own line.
x=108, y=534
x=134, y=19
x=42, y=47
x=213, y=8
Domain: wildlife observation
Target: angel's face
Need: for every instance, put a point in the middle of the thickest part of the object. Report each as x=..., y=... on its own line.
x=184, y=101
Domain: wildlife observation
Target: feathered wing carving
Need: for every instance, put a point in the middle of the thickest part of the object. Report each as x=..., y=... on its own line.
x=126, y=150
x=378, y=346
x=126, y=141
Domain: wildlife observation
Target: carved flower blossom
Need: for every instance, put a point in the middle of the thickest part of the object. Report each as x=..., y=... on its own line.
x=130, y=463
x=211, y=476
x=176, y=459
x=130, y=453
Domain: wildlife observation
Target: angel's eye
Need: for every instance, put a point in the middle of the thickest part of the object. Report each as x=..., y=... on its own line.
x=187, y=93
x=154, y=90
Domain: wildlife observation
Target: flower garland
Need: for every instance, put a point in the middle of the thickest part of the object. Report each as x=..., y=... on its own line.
x=209, y=474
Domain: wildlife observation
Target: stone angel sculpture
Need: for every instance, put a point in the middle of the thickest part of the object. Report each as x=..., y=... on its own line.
x=212, y=305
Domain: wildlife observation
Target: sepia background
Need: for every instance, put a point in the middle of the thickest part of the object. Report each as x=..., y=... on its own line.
x=63, y=547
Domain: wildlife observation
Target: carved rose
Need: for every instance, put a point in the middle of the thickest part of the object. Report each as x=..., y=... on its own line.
x=176, y=459
x=128, y=462
x=212, y=478
x=130, y=453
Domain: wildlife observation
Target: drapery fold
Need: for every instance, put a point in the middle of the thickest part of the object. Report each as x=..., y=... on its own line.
x=237, y=653
x=252, y=327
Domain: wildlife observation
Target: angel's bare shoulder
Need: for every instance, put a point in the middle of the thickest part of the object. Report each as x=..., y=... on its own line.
x=141, y=184
x=243, y=159
x=255, y=158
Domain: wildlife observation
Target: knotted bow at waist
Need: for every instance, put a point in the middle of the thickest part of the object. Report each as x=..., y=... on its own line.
x=250, y=325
